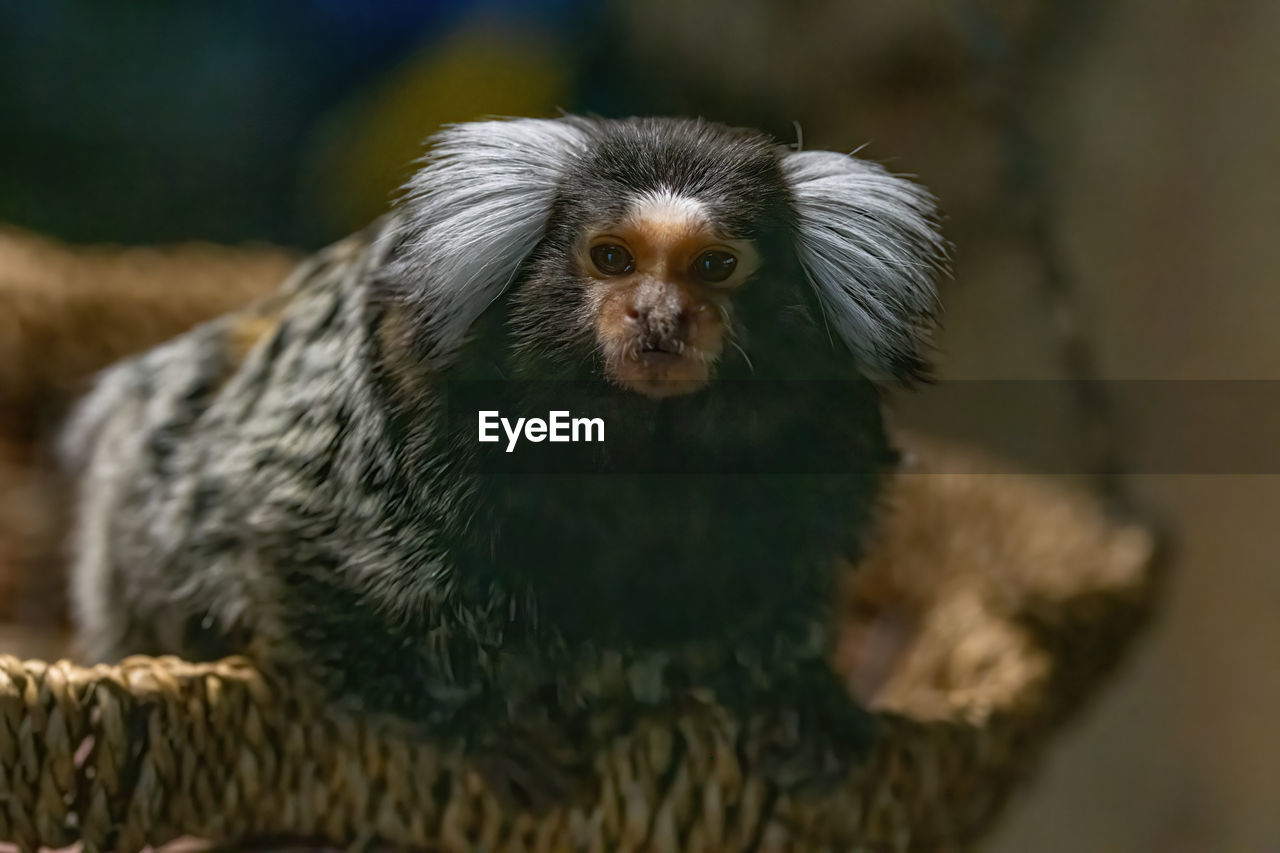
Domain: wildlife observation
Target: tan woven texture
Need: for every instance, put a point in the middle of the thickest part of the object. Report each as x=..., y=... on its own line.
x=68, y=311
x=991, y=604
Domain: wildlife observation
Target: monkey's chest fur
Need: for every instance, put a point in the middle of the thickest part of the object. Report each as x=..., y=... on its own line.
x=717, y=517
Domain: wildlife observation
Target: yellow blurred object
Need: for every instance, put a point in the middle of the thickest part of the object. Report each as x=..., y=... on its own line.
x=366, y=149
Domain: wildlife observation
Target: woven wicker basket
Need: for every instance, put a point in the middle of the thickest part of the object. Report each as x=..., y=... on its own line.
x=1010, y=598
x=989, y=606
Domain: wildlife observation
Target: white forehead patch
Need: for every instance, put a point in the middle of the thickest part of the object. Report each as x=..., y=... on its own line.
x=669, y=211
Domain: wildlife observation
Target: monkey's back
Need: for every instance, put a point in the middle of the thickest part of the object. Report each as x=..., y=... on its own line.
x=200, y=458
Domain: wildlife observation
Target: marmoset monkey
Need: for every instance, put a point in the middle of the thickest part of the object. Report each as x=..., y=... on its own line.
x=294, y=481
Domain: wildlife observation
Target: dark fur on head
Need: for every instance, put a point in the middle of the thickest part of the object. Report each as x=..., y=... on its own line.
x=735, y=174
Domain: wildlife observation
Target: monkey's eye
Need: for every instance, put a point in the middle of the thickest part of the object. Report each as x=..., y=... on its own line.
x=612, y=259
x=714, y=265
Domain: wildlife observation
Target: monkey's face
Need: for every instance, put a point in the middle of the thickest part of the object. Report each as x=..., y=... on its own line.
x=660, y=289
x=652, y=253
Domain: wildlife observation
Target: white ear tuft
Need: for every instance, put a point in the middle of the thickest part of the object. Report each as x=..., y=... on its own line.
x=868, y=243
x=472, y=215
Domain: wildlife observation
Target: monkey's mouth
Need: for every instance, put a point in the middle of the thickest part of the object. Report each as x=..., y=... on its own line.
x=660, y=354
x=660, y=369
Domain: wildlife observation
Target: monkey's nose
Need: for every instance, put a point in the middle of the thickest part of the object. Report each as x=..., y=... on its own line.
x=660, y=331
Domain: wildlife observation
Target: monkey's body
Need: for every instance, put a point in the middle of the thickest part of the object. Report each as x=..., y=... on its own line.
x=288, y=481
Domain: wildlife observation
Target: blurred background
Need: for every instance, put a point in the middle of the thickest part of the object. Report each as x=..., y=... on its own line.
x=1108, y=174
